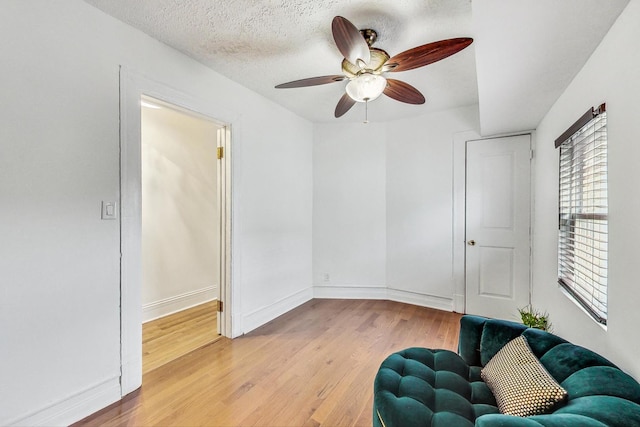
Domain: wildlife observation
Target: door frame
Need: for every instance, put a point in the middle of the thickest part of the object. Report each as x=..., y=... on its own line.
x=133, y=86
x=460, y=140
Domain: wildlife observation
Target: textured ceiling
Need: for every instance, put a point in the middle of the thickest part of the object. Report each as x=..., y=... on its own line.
x=526, y=52
x=261, y=43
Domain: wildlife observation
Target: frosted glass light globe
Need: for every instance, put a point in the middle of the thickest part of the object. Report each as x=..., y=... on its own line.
x=366, y=87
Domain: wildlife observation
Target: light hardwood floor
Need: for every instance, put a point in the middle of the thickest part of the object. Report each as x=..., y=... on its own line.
x=313, y=366
x=173, y=336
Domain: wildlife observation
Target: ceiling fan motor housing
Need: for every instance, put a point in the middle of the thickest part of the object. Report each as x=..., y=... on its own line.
x=378, y=58
x=370, y=36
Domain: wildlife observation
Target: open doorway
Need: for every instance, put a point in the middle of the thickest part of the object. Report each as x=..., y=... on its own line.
x=181, y=231
x=133, y=88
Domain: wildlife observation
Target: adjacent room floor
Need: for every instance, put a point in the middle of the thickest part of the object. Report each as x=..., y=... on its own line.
x=173, y=336
x=313, y=366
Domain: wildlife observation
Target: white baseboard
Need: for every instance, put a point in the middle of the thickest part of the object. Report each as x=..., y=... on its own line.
x=458, y=303
x=422, y=300
x=75, y=407
x=263, y=315
x=236, y=325
x=350, y=292
x=167, y=306
x=382, y=293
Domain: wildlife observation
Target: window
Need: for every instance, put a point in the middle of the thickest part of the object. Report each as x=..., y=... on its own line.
x=582, y=242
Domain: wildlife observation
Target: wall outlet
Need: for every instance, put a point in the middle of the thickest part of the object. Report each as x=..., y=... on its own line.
x=326, y=277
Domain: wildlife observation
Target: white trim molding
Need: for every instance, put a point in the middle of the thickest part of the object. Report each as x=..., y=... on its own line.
x=350, y=292
x=167, y=306
x=458, y=303
x=383, y=293
x=459, y=148
x=130, y=232
x=263, y=315
x=132, y=86
x=423, y=300
x=75, y=407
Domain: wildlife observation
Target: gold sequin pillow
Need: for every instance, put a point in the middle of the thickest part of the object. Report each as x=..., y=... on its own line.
x=519, y=382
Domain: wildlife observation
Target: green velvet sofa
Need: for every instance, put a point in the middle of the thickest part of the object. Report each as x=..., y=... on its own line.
x=439, y=388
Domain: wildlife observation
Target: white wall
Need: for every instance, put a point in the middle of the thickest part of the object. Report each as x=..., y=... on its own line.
x=383, y=204
x=59, y=157
x=420, y=201
x=180, y=213
x=611, y=76
x=349, y=210
x=273, y=191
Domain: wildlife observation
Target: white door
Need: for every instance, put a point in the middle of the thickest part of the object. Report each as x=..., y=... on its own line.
x=498, y=226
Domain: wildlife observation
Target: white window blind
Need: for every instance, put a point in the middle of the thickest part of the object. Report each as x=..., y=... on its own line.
x=582, y=243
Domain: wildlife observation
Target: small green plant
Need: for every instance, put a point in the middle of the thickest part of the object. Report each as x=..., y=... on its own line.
x=535, y=319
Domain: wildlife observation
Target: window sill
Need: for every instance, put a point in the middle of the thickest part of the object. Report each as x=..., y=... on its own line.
x=573, y=300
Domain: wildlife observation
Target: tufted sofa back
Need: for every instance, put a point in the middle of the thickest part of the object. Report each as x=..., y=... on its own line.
x=598, y=392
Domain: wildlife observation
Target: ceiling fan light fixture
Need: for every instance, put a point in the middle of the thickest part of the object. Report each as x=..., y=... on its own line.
x=366, y=87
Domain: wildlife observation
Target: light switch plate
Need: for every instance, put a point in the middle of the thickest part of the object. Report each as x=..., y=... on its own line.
x=109, y=210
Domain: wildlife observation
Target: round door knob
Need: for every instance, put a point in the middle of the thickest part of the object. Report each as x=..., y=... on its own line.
x=471, y=243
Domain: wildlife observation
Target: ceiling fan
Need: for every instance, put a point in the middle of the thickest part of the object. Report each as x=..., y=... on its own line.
x=364, y=66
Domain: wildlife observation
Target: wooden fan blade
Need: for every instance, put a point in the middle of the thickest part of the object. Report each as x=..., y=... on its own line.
x=313, y=81
x=350, y=42
x=427, y=54
x=344, y=105
x=403, y=92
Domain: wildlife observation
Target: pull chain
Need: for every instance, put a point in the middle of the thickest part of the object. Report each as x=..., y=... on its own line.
x=366, y=111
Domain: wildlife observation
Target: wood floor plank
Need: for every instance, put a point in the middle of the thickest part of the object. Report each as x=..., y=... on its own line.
x=313, y=366
x=173, y=336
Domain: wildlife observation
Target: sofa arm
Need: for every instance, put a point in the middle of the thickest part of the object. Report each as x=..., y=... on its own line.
x=481, y=338
x=470, y=336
